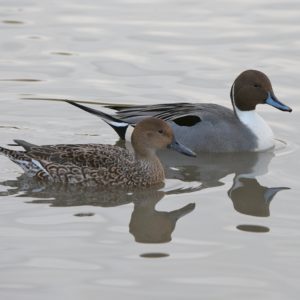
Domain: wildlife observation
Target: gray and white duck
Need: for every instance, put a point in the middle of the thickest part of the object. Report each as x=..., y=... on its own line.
x=207, y=127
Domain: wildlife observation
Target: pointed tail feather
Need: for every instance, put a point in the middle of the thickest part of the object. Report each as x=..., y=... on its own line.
x=27, y=146
x=118, y=125
x=18, y=157
x=11, y=154
x=30, y=166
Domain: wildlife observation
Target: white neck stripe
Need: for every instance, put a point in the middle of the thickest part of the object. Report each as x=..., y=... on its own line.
x=258, y=126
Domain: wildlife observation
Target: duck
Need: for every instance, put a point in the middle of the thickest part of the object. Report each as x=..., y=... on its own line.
x=209, y=127
x=101, y=164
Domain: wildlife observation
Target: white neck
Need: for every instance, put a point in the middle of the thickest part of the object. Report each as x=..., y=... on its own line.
x=258, y=126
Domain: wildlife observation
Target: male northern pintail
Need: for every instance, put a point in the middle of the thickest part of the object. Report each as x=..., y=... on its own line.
x=206, y=127
x=102, y=165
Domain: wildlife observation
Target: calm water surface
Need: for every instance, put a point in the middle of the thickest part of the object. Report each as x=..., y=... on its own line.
x=223, y=227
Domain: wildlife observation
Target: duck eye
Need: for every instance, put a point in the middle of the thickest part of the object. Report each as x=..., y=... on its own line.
x=257, y=85
x=160, y=131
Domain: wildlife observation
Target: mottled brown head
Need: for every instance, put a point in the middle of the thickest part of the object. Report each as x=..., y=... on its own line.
x=253, y=87
x=152, y=134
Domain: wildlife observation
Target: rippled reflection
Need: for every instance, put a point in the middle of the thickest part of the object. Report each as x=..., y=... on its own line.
x=146, y=224
x=251, y=198
x=247, y=194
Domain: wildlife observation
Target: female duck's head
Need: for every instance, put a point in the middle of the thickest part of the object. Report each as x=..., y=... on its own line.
x=152, y=134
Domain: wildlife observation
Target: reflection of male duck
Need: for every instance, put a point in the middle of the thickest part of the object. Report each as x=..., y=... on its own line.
x=250, y=198
x=247, y=195
x=210, y=168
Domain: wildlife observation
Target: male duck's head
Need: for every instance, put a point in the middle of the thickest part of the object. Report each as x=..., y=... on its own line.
x=253, y=87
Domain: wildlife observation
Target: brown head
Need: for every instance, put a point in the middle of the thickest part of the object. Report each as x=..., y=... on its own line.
x=253, y=87
x=152, y=134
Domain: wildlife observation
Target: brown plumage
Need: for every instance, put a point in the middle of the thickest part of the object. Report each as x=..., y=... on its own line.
x=97, y=164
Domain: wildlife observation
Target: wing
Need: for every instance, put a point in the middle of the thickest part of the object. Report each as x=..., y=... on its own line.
x=81, y=155
x=167, y=111
x=73, y=163
x=89, y=164
x=183, y=114
x=180, y=115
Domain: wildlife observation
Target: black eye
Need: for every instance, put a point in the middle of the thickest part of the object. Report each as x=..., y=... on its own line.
x=160, y=131
x=257, y=85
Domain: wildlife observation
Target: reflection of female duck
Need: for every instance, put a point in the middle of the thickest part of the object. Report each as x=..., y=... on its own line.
x=64, y=195
x=148, y=225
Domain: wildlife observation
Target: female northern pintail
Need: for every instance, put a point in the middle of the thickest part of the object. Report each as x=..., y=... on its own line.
x=206, y=127
x=101, y=165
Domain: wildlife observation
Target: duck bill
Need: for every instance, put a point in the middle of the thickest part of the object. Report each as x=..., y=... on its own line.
x=273, y=101
x=175, y=145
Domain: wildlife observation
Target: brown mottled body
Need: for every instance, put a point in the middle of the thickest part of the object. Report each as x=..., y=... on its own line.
x=92, y=164
x=103, y=165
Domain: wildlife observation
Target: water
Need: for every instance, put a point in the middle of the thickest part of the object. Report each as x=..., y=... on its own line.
x=223, y=227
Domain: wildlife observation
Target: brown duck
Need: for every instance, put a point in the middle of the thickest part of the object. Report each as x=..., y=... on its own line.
x=98, y=164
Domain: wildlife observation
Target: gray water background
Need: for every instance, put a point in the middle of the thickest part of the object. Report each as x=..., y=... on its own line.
x=229, y=242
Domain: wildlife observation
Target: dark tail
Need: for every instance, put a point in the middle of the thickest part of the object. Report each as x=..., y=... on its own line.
x=118, y=125
x=27, y=146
